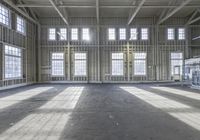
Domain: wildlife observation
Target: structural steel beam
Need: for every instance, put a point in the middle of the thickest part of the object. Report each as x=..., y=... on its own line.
x=174, y=11
x=59, y=11
x=194, y=20
x=136, y=11
x=97, y=11
x=104, y=6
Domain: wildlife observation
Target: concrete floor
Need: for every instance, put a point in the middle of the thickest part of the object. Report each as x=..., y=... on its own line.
x=100, y=112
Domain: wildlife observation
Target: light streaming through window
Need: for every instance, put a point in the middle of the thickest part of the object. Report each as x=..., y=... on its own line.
x=80, y=64
x=140, y=63
x=57, y=64
x=117, y=64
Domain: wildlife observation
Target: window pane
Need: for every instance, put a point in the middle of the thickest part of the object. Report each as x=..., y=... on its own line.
x=140, y=63
x=111, y=34
x=63, y=34
x=133, y=34
x=85, y=34
x=181, y=34
x=52, y=34
x=13, y=62
x=57, y=67
x=74, y=34
x=122, y=34
x=21, y=25
x=117, y=64
x=170, y=34
x=80, y=64
x=176, y=60
x=144, y=34
x=4, y=15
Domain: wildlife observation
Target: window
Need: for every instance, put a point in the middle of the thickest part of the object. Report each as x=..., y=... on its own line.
x=122, y=34
x=176, y=60
x=117, y=64
x=133, y=34
x=52, y=34
x=86, y=34
x=80, y=64
x=21, y=26
x=57, y=64
x=140, y=63
x=170, y=34
x=144, y=34
x=13, y=62
x=4, y=15
x=181, y=34
x=74, y=34
x=63, y=34
x=111, y=34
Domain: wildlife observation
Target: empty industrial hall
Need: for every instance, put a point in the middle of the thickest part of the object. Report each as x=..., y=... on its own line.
x=99, y=69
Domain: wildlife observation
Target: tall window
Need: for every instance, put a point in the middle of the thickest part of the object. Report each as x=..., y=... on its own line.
x=57, y=64
x=176, y=60
x=86, y=34
x=117, y=64
x=111, y=34
x=80, y=64
x=181, y=34
x=170, y=34
x=74, y=34
x=140, y=63
x=4, y=15
x=13, y=62
x=144, y=34
x=52, y=34
x=21, y=26
x=133, y=34
x=122, y=34
x=63, y=34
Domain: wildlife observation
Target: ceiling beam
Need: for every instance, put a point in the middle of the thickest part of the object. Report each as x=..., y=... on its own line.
x=64, y=18
x=97, y=11
x=11, y=4
x=104, y=6
x=194, y=20
x=174, y=11
x=135, y=12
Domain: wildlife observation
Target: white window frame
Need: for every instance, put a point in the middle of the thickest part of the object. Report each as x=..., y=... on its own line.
x=176, y=59
x=4, y=16
x=170, y=34
x=51, y=34
x=111, y=34
x=122, y=34
x=140, y=59
x=56, y=60
x=62, y=34
x=74, y=37
x=133, y=34
x=117, y=59
x=19, y=55
x=22, y=25
x=85, y=34
x=181, y=35
x=144, y=34
x=80, y=59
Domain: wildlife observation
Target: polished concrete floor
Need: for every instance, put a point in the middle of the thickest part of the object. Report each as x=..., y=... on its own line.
x=100, y=112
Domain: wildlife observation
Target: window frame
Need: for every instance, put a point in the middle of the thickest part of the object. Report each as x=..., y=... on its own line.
x=77, y=34
x=74, y=68
x=4, y=61
x=170, y=65
x=9, y=17
x=48, y=34
x=133, y=64
x=114, y=75
x=58, y=60
x=108, y=34
x=24, y=21
x=181, y=39
x=168, y=35
x=82, y=35
x=141, y=34
x=60, y=37
x=119, y=34
x=134, y=39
